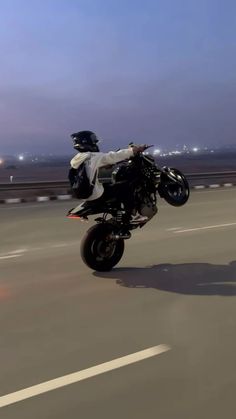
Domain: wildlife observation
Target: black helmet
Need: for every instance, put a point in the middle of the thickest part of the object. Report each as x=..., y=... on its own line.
x=85, y=141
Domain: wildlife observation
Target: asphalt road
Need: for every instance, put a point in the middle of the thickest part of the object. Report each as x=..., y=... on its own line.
x=174, y=286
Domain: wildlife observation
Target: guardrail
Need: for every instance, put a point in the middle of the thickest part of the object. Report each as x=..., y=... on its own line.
x=192, y=178
x=60, y=190
x=211, y=175
x=206, y=179
x=22, y=186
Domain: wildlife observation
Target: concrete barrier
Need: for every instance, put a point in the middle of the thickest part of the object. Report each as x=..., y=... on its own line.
x=13, y=193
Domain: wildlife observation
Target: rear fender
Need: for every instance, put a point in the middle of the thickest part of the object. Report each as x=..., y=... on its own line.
x=83, y=210
x=86, y=209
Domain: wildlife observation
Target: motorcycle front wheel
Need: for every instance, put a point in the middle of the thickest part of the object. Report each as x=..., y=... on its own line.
x=98, y=250
x=174, y=188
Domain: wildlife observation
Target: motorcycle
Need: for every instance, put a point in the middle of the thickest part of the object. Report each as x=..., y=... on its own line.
x=102, y=247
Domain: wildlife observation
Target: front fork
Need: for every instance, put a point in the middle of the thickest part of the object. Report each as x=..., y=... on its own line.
x=167, y=171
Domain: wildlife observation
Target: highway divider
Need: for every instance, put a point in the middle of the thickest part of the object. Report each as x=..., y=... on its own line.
x=12, y=193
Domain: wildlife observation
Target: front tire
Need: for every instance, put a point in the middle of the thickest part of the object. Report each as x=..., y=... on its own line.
x=98, y=251
x=176, y=194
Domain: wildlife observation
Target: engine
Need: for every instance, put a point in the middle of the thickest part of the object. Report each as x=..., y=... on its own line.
x=148, y=210
x=146, y=205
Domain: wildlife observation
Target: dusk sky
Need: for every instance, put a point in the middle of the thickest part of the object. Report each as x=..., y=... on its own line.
x=156, y=71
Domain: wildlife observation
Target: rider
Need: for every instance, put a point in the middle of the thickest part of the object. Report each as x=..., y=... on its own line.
x=86, y=143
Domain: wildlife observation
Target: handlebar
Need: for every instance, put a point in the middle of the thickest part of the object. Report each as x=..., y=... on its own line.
x=145, y=145
x=148, y=146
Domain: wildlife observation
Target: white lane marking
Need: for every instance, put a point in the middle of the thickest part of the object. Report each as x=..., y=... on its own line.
x=9, y=257
x=173, y=228
x=12, y=254
x=214, y=185
x=199, y=187
x=228, y=185
x=20, y=252
x=15, y=252
x=205, y=228
x=57, y=246
x=59, y=382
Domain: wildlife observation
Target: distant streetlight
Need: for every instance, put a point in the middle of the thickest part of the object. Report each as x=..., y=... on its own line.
x=21, y=157
x=1, y=161
x=195, y=149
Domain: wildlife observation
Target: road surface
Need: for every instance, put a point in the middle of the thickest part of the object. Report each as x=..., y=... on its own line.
x=175, y=286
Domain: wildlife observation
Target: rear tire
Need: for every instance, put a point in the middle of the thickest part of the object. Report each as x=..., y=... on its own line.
x=97, y=251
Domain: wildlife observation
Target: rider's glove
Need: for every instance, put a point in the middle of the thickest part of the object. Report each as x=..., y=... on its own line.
x=138, y=148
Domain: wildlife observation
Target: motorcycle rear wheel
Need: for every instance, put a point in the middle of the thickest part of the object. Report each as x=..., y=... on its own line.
x=98, y=251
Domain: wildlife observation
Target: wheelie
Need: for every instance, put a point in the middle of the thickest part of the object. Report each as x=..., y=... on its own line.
x=126, y=203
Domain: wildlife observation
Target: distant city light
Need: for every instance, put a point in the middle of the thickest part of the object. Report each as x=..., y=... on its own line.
x=176, y=152
x=21, y=157
x=156, y=151
x=195, y=149
x=1, y=161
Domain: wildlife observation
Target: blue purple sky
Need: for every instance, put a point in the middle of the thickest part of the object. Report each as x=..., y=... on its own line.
x=159, y=71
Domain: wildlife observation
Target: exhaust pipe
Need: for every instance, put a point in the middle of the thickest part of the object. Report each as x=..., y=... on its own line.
x=124, y=236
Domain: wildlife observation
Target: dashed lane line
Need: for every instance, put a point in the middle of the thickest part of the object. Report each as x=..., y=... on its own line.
x=75, y=377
